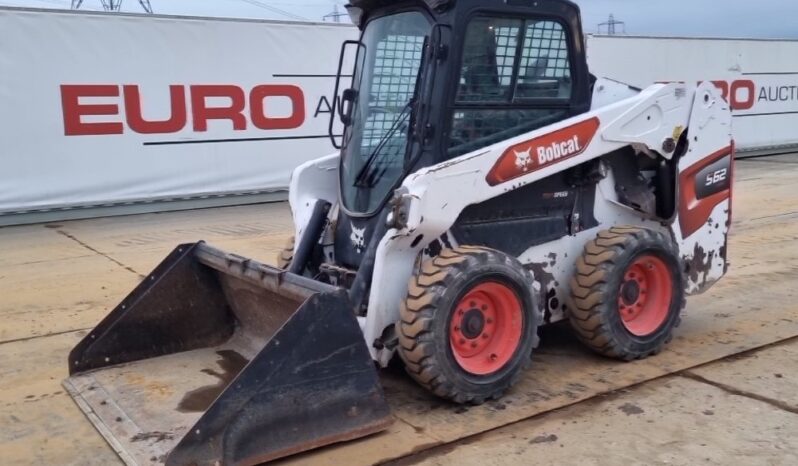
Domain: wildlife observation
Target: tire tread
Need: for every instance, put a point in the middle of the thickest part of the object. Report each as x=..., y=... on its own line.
x=589, y=289
x=417, y=313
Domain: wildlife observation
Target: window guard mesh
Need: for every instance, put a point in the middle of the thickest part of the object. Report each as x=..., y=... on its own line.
x=398, y=58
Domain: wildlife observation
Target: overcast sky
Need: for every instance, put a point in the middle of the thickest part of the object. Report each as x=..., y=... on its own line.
x=717, y=18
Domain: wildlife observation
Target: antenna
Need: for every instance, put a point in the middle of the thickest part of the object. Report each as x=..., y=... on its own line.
x=114, y=5
x=612, y=26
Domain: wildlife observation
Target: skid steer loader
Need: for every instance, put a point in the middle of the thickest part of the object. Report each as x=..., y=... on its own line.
x=486, y=184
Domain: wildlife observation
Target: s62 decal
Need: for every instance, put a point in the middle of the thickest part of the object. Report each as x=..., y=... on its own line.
x=713, y=179
x=702, y=187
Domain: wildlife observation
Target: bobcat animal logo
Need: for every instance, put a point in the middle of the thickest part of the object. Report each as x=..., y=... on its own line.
x=523, y=159
x=358, y=238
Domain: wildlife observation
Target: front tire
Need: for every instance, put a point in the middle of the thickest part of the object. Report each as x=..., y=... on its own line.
x=628, y=293
x=468, y=324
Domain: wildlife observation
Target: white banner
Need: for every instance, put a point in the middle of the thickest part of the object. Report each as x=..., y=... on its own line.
x=98, y=109
x=758, y=77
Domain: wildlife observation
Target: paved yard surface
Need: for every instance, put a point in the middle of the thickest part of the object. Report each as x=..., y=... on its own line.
x=724, y=392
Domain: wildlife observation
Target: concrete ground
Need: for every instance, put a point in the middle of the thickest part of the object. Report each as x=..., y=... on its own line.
x=724, y=391
x=738, y=411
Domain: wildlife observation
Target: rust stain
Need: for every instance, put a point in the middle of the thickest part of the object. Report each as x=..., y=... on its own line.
x=149, y=386
x=200, y=400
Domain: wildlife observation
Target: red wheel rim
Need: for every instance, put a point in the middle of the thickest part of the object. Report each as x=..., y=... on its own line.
x=644, y=298
x=486, y=328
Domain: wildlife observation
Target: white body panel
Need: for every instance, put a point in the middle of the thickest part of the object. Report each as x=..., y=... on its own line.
x=764, y=119
x=46, y=170
x=312, y=181
x=437, y=195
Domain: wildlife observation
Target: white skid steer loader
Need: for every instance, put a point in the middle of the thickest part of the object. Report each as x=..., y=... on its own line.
x=486, y=184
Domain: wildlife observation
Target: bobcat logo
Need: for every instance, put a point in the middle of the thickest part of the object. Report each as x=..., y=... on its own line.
x=523, y=159
x=358, y=238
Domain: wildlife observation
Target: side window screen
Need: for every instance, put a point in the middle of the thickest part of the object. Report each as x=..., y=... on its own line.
x=545, y=70
x=489, y=55
x=396, y=64
x=473, y=129
x=515, y=78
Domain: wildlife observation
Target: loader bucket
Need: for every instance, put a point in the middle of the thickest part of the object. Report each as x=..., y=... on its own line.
x=216, y=359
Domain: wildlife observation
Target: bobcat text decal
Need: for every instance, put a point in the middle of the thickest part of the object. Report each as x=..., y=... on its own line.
x=543, y=151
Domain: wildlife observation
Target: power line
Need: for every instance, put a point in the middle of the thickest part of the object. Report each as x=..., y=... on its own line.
x=114, y=5
x=275, y=10
x=336, y=15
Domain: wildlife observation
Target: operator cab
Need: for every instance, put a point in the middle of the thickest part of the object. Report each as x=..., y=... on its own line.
x=430, y=80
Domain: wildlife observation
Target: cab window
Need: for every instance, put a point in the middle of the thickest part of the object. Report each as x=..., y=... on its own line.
x=515, y=77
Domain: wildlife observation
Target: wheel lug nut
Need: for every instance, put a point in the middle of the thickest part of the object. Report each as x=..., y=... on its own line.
x=474, y=344
x=462, y=341
x=490, y=321
x=485, y=336
x=493, y=357
x=457, y=329
x=484, y=307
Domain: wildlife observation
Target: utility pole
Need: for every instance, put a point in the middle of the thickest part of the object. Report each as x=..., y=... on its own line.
x=612, y=26
x=335, y=15
x=114, y=5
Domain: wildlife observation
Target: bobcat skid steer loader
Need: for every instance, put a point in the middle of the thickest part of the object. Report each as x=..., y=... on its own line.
x=486, y=184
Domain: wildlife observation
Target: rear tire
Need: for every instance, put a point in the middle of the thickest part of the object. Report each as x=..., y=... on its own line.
x=286, y=255
x=468, y=324
x=628, y=293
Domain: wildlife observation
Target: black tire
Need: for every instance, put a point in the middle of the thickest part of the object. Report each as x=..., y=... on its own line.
x=426, y=323
x=286, y=255
x=605, y=267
